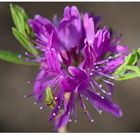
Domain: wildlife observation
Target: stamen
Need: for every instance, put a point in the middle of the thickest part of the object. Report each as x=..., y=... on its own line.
x=29, y=82
x=100, y=88
x=30, y=60
x=84, y=107
x=108, y=59
x=105, y=75
x=108, y=82
x=26, y=96
x=93, y=87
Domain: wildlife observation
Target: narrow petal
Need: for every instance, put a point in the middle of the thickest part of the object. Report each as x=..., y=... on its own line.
x=103, y=103
x=77, y=73
x=114, y=64
x=89, y=29
x=70, y=28
x=63, y=120
x=89, y=56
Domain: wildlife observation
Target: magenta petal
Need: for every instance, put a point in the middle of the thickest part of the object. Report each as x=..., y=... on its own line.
x=89, y=29
x=90, y=57
x=114, y=64
x=104, y=103
x=63, y=120
x=77, y=73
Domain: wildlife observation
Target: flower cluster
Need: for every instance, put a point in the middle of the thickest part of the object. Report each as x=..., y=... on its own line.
x=77, y=62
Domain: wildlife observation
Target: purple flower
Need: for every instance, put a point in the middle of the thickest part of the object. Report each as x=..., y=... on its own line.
x=77, y=61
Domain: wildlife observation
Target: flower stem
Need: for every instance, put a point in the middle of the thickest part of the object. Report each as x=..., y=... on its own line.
x=63, y=129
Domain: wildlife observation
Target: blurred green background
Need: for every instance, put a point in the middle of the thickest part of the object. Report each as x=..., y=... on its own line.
x=20, y=115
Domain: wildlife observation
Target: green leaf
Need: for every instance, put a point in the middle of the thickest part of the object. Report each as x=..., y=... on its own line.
x=134, y=69
x=24, y=41
x=22, y=31
x=129, y=68
x=49, y=98
x=20, y=19
x=14, y=58
x=130, y=60
x=128, y=76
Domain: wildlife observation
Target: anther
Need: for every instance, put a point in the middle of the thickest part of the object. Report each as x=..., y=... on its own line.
x=100, y=112
x=100, y=86
x=75, y=121
x=90, y=73
x=41, y=108
x=25, y=96
x=28, y=82
x=70, y=120
x=109, y=93
x=110, y=57
x=92, y=120
x=54, y=114
x=102, y=97
x=26, y=53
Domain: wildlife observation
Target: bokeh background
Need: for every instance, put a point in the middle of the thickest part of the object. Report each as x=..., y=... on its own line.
x=20, y=115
